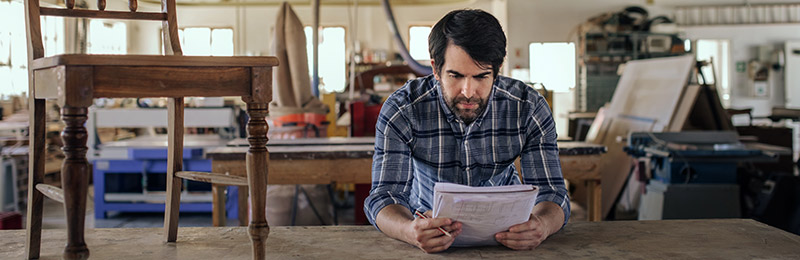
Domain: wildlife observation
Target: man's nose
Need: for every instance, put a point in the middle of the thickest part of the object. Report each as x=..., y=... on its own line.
x=468, y=88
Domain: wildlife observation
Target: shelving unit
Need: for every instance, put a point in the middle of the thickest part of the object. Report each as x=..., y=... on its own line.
x=604, y=52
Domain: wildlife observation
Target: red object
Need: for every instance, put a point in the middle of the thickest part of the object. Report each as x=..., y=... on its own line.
x=361, y=193
x=363, y=119
x=10, y=220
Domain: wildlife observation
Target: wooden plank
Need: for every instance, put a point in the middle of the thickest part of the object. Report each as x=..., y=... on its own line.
x=49, y=82
x=134, y=81
x=103, y=14
x=615, y=165
x=685, y=106
x=174, y=165
x=214, y=178
x=153, y=60
x=51, y=191
x=262, y=84
x=594, y=200
x=78, y=87
x=218, y=200
x=581, y=167
x=169, y=29
x=36, y=160
x=306, y=171
x=672, y=239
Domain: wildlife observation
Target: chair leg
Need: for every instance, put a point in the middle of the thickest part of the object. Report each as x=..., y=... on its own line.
x=35, y=176
x=174, y=165
x=257, y=163
x=75, y=180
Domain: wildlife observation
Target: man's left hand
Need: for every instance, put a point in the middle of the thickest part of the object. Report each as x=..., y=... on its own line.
x=524, y=236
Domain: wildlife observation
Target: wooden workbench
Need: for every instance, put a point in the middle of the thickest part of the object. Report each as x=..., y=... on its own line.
x=349, y=160
x=672, y=239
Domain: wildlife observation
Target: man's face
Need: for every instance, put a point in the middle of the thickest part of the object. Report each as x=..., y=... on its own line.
x=465, y=85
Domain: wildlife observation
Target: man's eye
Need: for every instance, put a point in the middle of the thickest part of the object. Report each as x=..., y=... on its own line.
x=456, y=76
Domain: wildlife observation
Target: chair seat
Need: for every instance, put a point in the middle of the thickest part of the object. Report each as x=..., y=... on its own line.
x=153, y=61
x=133, y=76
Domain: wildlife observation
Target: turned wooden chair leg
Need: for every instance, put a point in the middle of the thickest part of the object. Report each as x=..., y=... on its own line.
x=174, y=165
x=257, y=157
x=75, y=180
x=36, y=159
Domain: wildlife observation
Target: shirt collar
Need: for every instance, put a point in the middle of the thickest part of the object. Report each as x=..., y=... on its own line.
x=451, y=117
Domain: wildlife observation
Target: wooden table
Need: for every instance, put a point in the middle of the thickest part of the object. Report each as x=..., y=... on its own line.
x=670, y=239
x=349, y=160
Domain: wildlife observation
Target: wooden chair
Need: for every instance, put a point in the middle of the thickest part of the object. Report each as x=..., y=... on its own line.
x=75, y=79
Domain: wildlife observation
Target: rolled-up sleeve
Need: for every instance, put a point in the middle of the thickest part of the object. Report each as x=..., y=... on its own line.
x=539, y=161
x=392, y=173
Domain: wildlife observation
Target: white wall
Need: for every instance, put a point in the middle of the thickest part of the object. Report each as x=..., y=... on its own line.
x=252, y=24
x=743, y=40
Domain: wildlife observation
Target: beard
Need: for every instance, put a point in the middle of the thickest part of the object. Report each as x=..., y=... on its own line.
x=467, y=115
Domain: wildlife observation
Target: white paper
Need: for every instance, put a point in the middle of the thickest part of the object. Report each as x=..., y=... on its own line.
x=483, y=211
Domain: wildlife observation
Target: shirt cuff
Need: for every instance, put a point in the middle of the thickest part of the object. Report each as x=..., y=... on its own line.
x=376, y=201
x=558, y=197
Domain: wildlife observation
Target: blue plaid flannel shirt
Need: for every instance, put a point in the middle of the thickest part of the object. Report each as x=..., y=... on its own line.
x=419, y=142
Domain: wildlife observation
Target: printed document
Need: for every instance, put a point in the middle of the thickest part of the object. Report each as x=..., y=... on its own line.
x=483, y=211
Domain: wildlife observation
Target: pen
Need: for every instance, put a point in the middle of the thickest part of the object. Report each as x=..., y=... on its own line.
x=440, y=228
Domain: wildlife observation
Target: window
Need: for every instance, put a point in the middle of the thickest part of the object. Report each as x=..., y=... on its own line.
x=716, y=50
x=106, y=37
x=553, y=64
x=14, y=49
x=332, y=61
x=418, y=42
x=205, y=41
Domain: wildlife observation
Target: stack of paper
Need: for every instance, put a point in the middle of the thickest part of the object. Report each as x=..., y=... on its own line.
x=483, y=211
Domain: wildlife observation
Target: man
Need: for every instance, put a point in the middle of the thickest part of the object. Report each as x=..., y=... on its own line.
x=464, y=124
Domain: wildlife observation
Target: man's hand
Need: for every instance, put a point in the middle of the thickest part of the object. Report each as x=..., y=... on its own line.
x=524, y=236
x=546, y=219
x=425, y=233
x=397, y=222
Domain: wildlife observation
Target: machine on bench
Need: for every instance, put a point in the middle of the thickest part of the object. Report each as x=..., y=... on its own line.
x=693, y=174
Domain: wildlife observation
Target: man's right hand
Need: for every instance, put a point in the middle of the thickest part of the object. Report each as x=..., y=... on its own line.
x=397, y=222
x=425, y=233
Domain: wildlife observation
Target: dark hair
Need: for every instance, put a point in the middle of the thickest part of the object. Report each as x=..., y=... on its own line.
x=476, y=31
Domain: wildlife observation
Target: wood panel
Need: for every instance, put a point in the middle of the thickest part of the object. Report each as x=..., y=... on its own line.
x=153, y=60
x=130, y=81
x=49, y=82
x=660, y=239
x=306, y=171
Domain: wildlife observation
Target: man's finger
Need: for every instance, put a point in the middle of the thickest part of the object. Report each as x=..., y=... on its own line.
x=519, y=244
x=453, y=227
x=435, y=222
x=527, y=235
x=527, y=225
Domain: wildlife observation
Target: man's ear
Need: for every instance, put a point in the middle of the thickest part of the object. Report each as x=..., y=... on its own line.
x=433, y=68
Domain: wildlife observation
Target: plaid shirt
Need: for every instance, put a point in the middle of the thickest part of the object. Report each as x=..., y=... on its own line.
x=419, y=142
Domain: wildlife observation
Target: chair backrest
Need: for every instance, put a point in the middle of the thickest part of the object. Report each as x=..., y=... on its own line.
x=167, y=16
